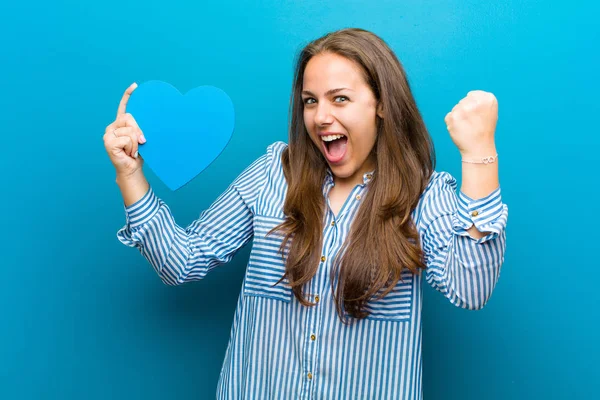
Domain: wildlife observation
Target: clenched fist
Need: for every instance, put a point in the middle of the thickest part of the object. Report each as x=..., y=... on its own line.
x=472, y=123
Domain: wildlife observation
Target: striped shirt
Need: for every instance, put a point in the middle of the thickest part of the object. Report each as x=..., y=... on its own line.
x=280, y=349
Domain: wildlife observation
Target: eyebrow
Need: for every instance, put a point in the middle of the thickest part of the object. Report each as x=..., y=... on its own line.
x=327, y=93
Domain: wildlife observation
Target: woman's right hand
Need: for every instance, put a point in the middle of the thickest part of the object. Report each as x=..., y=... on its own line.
x=121, y=139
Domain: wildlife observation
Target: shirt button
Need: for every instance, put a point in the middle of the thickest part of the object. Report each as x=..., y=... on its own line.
x=475, y=213
x=313, y=337
x=332, y=223
x=317, y=298
x=323, y=258
x=358, y=197
x=309, y=375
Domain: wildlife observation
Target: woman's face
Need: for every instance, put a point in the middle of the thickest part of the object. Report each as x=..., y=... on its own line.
x=340, y=115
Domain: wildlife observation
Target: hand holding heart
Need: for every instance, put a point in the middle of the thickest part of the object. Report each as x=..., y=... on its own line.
x=121, y=139
x=185, y=132
x=472, y=123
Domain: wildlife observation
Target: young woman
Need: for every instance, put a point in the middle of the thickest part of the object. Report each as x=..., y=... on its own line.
x=343, y=220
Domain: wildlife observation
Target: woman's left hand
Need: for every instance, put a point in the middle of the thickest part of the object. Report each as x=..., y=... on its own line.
x=472, y=123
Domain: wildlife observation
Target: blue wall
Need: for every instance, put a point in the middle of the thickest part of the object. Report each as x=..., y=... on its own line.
x=84, y=317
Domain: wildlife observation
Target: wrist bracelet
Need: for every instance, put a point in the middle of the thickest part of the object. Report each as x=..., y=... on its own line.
x=484, y=160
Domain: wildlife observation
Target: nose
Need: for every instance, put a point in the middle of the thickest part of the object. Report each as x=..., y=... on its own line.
x=323, y=115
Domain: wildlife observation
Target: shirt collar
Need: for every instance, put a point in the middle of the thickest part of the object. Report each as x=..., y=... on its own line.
x=368, y=177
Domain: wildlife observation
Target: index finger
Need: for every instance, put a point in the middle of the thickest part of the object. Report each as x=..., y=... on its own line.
x=125, y=99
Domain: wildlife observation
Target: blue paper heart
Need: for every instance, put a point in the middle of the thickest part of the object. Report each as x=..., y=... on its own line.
x=184, y=133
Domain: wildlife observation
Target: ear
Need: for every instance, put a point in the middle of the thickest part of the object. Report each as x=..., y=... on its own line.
x=380, y=110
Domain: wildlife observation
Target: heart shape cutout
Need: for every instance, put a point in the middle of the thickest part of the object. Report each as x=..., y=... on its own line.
x=184, y=133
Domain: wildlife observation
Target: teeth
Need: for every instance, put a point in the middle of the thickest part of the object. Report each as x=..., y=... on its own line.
x=331, y=137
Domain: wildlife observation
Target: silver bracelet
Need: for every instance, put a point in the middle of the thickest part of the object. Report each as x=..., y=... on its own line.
x=484, y=160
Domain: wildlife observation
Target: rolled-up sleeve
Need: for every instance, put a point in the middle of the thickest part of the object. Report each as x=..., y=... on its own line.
x=459, y=266
x=181, y=254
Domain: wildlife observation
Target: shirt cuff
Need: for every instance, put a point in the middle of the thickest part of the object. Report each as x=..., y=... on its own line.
x=142, y=211
x=488, y=214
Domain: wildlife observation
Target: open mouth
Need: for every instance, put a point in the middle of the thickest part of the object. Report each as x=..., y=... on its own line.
x=335, y=147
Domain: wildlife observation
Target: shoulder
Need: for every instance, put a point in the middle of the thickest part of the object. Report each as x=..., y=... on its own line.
x=276, y=148
x=439, y=194
x=440, y=180
x=273, y=154
x=269, y=158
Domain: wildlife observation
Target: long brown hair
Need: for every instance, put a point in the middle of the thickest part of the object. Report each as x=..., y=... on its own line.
x=383, y=239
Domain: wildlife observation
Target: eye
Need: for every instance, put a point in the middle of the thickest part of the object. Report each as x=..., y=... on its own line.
x=340, y=99
x=309, y=100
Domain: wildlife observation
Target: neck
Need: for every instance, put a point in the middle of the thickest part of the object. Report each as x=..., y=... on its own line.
x=357, y=178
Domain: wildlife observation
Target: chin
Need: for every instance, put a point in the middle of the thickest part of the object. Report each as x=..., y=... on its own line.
x=342, y=171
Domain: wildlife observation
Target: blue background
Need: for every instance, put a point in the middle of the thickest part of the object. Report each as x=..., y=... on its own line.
x=84, y=317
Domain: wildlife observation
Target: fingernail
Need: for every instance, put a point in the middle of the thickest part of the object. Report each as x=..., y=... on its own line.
x=142, y=139
x=135, y=155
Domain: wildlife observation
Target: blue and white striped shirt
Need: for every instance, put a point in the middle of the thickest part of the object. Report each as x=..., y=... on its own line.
x=279, y=349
